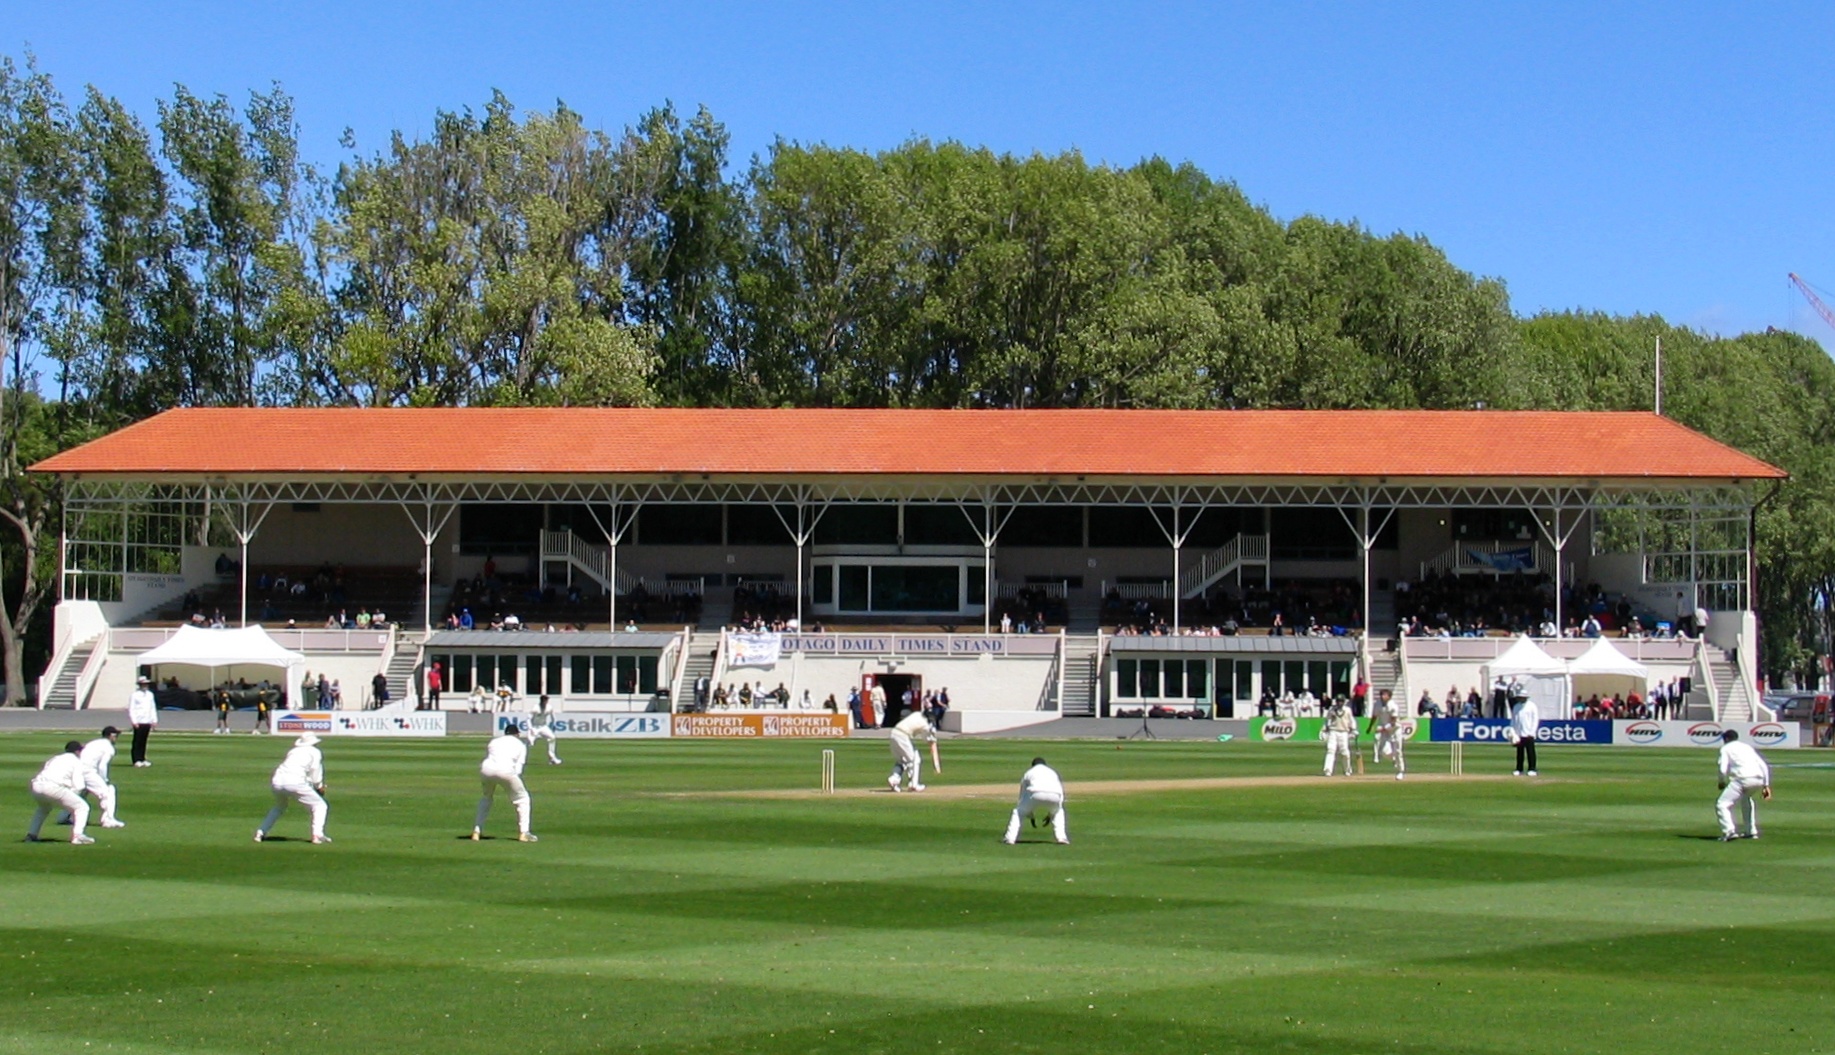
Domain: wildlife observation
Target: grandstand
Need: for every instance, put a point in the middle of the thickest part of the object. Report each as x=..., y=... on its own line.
x=1187, y=561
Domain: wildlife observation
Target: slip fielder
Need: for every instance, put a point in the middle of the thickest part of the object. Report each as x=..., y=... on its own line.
x=300, y=778
x=1040, y=788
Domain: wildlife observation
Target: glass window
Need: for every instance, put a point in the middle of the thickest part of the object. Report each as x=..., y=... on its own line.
x=853, y=588
x=532, y=676
x=602, y=675
x=1175, y=679
x=977, y=584
x=627, y=675
x=1196, y=677
x=487, y=672
x=1316, y=681
x=1150, y=679
x=458, y=673
x=822, y=590
x=898, y=588
x=582, y=674
x=1341, y=678
x=1126, y=671
x=1271, y=676
x=646, y=674
x=1294, y=676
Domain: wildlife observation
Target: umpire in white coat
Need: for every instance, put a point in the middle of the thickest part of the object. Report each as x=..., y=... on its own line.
x=300, y=778
x=1525, y=722
x=1039, y=789
x=1742, y=771
x=60, y=783
x=143, y=715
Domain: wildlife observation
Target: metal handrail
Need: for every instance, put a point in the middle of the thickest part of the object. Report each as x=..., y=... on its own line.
x=91, y=672
x=1240, y=550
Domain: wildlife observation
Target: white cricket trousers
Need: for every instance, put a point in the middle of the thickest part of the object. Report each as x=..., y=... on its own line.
x=1390, y=744
x=905, y=760
x=1337, y=743
x=1730, y=797
x=1028, y=805
x=303, y=794
x=104, y=793
x=519, y=797
x=545, y=733
x=53, y=796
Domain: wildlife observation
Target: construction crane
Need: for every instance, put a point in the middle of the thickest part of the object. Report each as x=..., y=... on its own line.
x=1815, y=301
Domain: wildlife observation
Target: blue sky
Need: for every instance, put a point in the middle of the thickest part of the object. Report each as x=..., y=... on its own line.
x=1662, y=158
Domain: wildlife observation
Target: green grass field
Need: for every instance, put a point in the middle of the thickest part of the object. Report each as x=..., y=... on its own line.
x=1585, y=912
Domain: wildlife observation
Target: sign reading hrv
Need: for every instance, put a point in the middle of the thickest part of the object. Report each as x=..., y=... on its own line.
x=1647, y=733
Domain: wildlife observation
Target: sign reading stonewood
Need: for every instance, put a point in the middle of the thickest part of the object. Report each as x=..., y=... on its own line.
x=742, y=726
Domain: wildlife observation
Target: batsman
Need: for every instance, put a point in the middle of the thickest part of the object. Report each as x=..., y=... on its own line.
x=907, y=764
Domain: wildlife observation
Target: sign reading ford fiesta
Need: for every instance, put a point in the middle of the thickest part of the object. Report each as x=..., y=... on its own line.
x=1276, y=729
x=1706, y=734
x=358, y=723
x=752, y=726
x=600, y=725
x=1497, y=731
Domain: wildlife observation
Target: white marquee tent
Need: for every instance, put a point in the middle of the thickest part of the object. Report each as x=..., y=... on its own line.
x=1543, y=676
x=1605, y=670
x=248, y=646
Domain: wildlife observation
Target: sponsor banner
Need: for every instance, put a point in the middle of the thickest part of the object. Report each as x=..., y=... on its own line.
x=1497, y=731
x=922, y=644
x=360, y=723
x=1644, y=733
x=1520, y=559
x=744, y=726
x=1272, y=729
x=598, y=725
x=753, y=650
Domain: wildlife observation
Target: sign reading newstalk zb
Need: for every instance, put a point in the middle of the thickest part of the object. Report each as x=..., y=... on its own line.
x=599, y=725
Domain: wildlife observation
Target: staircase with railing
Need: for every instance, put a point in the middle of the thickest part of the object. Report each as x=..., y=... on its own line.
x=594, y=561
x=701, y=646
x=1234, y=555
x=1081, y=658
x=68, y=684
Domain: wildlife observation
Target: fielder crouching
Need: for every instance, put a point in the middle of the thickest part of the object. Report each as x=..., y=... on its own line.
x=1039, y=789
x=907, y=764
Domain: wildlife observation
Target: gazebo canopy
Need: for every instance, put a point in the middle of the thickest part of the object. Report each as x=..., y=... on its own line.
x=249, y=646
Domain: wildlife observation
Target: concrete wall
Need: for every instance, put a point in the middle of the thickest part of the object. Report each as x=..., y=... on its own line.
x=988, y=683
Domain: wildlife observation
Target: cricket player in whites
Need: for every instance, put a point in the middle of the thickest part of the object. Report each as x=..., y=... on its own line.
x=541, y=727
x=60, y=783
x=96, y=755
x=1039, y=789
x=504, y=758
x=906, y=761
x=300, y=778
x=1742, y=771
x=1340, y=729
x=1388, y=729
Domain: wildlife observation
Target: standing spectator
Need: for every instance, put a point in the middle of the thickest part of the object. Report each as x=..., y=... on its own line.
x=335, y=695
x=700, y=692
x=854, y=705
x=60, y=783
x=1742, y=769
x=222, y=709
x=300, y=778
x=263, y=714
x=379, y=689
x=1040, y=788
x=436, y=680
x=143, y=715
x=1360, y=696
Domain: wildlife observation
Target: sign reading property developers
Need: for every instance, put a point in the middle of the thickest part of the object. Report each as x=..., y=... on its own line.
x=359, y=723
x=743, y=726
x=599, y=725
x=1705, y=734
x=1497, y=731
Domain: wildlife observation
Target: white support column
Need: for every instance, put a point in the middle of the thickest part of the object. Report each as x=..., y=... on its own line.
x=1557, y=535
x=801, y=533
x=1176, y=536
x=988, y=531
x=620, y=523
x=428, y=528
x=1366, y=541
x=246, y=524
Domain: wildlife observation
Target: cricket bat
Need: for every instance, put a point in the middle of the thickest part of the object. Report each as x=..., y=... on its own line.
x=936, y=760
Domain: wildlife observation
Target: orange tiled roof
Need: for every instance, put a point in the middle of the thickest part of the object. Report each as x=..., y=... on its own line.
x=583, y=441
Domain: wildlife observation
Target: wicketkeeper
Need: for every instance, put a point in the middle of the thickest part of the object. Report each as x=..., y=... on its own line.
x=1040, y=789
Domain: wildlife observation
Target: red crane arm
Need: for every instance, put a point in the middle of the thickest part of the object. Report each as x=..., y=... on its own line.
x=1815, y=301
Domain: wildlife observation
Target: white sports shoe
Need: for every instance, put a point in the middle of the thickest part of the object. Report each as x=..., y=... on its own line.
x=1399, y=776
x=1532, y=772
x=318, y=839
x=114, y=824
x=527, y=837
x=80, y=840
x=917, y=787
x=892, y=782
x=260, y=835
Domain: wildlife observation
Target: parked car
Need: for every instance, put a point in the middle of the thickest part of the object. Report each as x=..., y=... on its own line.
x=1798, y=706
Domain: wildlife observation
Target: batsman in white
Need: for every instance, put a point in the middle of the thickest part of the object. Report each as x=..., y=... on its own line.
x=1388, y=729
x=504, y=758
x=1742, y=771
x=1039, y=789
x=96, y=756
x=906, y=762
x=1340, y=729
x=300, y=778
x=541, y=727
x=60, y=783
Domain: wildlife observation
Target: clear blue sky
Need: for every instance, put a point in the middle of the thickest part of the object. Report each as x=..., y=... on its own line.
x=1666, y=158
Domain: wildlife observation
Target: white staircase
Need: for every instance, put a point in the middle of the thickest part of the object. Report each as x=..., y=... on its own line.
x=1240, y=552
x=1385, y=669
x=701, y=646
x=61, y=694
x=1731, y=694
x=593, y=561
x=403, y=663
x=1082, y=658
